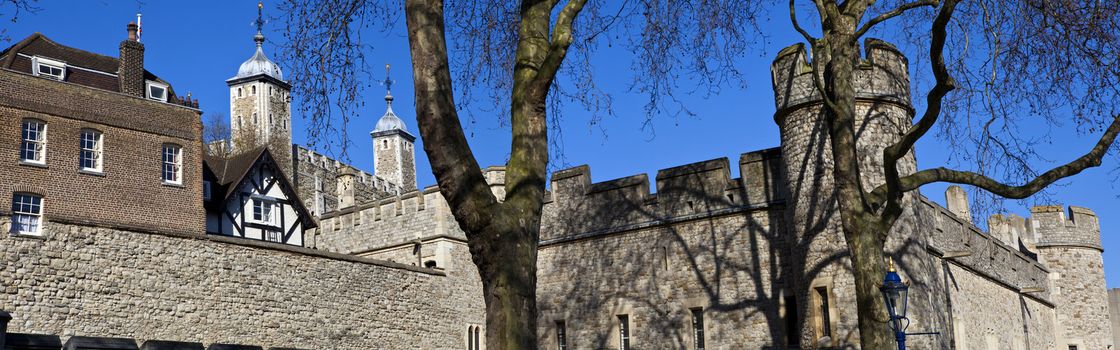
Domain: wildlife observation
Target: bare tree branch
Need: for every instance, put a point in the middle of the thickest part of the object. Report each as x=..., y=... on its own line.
x=1088, y=160
x=895, y=13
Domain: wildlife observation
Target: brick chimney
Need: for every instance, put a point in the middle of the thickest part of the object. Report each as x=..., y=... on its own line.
x=131, y=71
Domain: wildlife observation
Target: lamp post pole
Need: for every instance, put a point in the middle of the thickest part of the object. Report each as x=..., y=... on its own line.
x=895, y=294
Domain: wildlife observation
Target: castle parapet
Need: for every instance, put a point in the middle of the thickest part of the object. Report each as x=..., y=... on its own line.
x=883, y=75
x=1052, y=227
x=579, y=208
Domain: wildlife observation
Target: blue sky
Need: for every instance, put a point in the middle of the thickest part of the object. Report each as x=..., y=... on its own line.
x=198, y=45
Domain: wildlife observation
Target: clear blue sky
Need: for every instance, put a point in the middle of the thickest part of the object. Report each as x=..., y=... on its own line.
x=198, y=45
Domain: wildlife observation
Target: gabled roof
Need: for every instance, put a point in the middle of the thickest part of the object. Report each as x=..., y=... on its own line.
x=38, y=44
x=231, y=172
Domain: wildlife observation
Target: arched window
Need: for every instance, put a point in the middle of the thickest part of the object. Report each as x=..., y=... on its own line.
x=254, y=90
x=255, y=121
x=239, y=94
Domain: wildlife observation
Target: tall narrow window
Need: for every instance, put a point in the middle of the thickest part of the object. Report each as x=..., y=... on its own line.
x=172, y=164
x=89, y=158
x=561, y=335
x=824, y=326
x=697, y=328
x=270, y=119
x=623, y=332
x=254, y=89
x=33, y=148
x=477, y=336
x=238, y=122
x=239, y=92
x=27, y=214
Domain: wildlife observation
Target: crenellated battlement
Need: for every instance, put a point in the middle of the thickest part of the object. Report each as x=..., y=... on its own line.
x=577, y=207
x=1053, y=225
x=883, y=75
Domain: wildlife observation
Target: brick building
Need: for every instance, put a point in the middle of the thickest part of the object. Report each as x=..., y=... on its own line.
x=96, y=140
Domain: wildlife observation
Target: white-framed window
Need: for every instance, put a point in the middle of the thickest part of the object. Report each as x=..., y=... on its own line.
x=27, y=214
x=265, y=211
x=172, y=164
x=48, y=68
x=206, y=190
x=273, y=236
x=33, y=146
x=157, y=91
x=89, y=158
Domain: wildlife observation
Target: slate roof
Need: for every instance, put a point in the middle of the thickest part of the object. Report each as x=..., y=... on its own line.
x=39, y=45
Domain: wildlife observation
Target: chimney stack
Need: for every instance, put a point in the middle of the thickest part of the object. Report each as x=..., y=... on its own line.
x=130, y=74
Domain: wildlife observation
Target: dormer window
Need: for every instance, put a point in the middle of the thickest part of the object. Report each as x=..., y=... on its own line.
x=157, y=91
x=48, y=68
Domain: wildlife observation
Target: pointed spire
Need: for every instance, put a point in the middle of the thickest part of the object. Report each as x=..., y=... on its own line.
x=389, y=121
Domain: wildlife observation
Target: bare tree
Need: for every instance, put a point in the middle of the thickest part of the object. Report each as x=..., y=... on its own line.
x=1009, y=61
x=513, y=54
x=216, y=134
x=13, y=9
x=1012, y=60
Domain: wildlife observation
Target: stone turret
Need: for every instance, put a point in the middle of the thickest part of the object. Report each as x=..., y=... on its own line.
x=883, y=113
x=1071, y=248
x=394, y=158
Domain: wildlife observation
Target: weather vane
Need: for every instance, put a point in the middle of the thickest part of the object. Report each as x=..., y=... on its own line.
x=387, y=82
x=260, y=16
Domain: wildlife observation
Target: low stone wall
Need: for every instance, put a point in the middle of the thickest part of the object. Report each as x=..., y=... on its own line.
x=111, y=283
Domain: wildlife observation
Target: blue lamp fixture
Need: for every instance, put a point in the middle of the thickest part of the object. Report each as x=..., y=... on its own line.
x=895, y=294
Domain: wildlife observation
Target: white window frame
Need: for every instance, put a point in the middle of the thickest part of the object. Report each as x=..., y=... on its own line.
x=268, y=214
x=96, y=150
x=39, y=143
x=172, y=165
x=152, y=84
x=37, y=62
x=28, y=212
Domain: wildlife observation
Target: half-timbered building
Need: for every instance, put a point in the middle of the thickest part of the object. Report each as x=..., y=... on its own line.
x=248, y=196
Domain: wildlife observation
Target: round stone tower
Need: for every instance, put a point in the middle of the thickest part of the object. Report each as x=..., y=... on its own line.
x=1071, y=248
x=822, y=280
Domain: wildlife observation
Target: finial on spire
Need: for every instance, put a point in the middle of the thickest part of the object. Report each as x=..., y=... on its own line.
x=388, y=85
x=259, y=38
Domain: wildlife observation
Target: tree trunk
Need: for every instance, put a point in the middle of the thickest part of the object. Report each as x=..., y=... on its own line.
x=509, y=284
x=858, y=220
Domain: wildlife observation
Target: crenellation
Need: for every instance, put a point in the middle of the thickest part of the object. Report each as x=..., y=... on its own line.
x=883, y=75
x=761, y=176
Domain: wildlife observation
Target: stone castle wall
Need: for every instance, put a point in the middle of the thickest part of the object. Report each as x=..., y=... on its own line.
x=103, y=282
x=316, y=179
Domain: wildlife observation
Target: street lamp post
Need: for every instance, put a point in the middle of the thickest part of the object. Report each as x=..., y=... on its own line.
x=895, y=294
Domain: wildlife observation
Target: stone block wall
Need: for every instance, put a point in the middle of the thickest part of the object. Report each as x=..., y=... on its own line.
x=989, y=315
x=385, y=222
x=91, y=281
x=316, y=180
x=729, y=265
